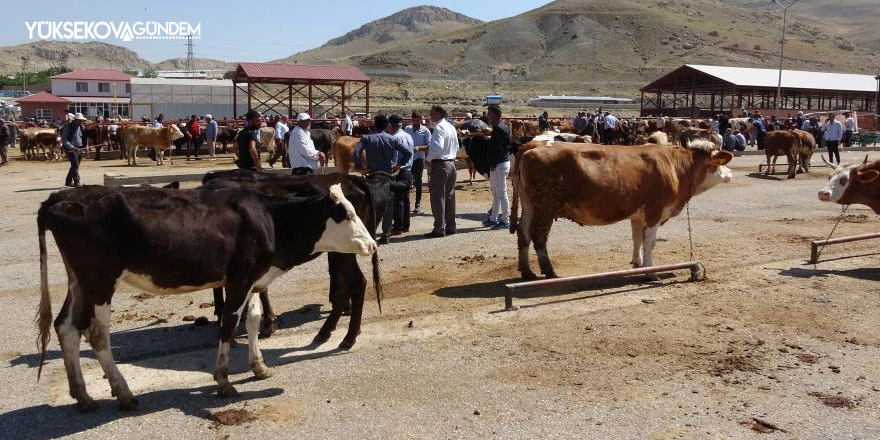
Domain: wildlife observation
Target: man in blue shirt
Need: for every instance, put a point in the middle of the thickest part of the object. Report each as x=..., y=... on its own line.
x=380, y=148
x=760, y=131
x=401, y=201
x=421, y=137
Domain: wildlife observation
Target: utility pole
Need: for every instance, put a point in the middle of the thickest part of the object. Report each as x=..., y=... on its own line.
x=781, y=52
x=190, y=69
x=24, y=66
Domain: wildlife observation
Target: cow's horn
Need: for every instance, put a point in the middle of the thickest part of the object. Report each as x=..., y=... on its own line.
x=829, y=164
x=866, y=160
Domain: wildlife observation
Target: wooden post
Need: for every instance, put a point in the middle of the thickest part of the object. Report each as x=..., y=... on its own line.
x=234, y=100
x=290, y=101
x=368, y=98
x=310, y=99
x=343, y=98
x=249, y=93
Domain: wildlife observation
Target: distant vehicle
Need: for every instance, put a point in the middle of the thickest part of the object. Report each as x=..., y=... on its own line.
x=577, y=101
x=491, y=100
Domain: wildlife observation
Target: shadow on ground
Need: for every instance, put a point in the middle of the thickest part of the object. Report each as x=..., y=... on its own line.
x=862, y=273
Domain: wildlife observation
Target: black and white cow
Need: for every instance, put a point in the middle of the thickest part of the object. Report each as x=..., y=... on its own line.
x=238, y=239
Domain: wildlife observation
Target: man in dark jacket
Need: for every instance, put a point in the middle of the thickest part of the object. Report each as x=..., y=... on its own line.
x=72, y=143
x=4, y=143
x=498, y=155
x=543, y=123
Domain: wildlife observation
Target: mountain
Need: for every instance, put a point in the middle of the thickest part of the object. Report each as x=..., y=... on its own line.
x=600, y=40
x=854, y=20
x=410, y=24
x=198, y=63
x=45, y=54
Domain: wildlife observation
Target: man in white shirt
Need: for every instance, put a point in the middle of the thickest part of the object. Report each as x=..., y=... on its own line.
x=211, y=128
x=832, y=136
x=281, y=130
x=441, y=154
x=346, y=124
x=850, y=126
x=301, y=150
x=610, y=129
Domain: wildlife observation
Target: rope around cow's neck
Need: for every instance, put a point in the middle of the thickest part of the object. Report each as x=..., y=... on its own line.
x=821, y=248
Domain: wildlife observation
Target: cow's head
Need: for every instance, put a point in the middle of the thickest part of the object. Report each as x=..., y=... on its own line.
x=845, y=182
x=344, y=232
x=175, y=132
x=716, y=170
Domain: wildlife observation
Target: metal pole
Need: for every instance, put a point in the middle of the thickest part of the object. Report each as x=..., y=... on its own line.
x=815, y=244
x=781, y=53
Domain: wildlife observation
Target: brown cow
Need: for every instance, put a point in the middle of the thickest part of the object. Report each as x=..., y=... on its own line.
x=158, y=138
x=853, y=184
x=343, y=151
x=46, y=139
x=600, y=185
x=782, y=143
x=805, y=150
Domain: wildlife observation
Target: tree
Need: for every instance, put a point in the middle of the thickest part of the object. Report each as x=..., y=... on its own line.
x=132, y=72
x=150, y=72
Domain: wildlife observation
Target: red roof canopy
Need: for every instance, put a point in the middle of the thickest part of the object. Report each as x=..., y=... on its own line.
x=95, y=74
x=43, y=97
x=282, y=72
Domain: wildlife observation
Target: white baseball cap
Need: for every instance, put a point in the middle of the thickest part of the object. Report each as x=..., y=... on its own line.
x=303, y=117
x=208, y=116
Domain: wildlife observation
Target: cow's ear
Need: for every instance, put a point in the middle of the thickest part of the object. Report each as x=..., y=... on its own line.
x=868, y=176
x=720, y=158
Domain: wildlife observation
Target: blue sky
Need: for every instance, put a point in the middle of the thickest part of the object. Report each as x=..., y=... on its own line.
x=267, y=31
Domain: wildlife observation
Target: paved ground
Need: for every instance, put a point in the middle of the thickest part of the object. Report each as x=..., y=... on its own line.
x=765, y=338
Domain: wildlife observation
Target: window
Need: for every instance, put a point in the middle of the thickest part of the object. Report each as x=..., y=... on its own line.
x=78, y=107
x=103, y=87
x=44, y=113
x=128, y=88
x=82, y=87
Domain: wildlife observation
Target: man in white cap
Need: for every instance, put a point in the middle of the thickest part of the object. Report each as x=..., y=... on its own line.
x=211, y=135
x=281, y=130
x=72, y=143
x=301, y=150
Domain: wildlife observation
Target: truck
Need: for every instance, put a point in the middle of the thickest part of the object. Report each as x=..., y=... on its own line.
x=491, y=100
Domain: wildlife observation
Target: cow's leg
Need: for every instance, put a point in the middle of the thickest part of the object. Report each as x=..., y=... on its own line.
x=99, y=338
x=269, y=324
x=770, y=165
x=255, y=357
x=237, y=297
x=650, y=239
x=540, y=234
x=792, y=165
x=356, y=284
x=638, y=236
x=339, y=296
x=218, y=303
x=68, y=337
x=523, y=240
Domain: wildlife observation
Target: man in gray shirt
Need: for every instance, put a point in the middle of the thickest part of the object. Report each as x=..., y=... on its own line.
x=421, y=137
x=72, y=143
x=401, y=201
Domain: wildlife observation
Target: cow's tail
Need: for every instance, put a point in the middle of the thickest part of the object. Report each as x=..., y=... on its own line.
x=514, y=208
x=377, y=275
x=44, y=312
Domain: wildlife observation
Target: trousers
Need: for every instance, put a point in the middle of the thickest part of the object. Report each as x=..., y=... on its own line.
x=418, y=168
x=73, y=174
x=833, y=150
x=442, y=186
x=498, y=184
x=401, y=202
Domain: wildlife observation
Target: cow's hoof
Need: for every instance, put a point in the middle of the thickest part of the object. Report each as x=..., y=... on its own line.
x=321, y=337
x=227, y=391
x=550, y=275
x=129, y=404
x=528, y=276
x=263, y=372
x=86, y=405
x=347, y=344
x=652, y=277
x=268, y=329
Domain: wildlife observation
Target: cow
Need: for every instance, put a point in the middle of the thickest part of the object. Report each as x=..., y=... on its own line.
x=595, y=185
x=344, y=269
x=805, y=150
x=343, y=153
x=95, y=136
x=383, y=187
x=267, y=139
x=323, y=140
x=149, y=137
x=853, y=184
x=226, y=135
x=238, y=239
x=688, y=135
x=782, y=143
x=744, y=125
x=658, y=138
x=46, y=139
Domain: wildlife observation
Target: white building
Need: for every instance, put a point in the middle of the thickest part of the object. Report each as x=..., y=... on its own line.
x=180, y=98
x=94, y=92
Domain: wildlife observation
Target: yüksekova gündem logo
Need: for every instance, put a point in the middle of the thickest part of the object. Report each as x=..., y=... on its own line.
x=101, y=30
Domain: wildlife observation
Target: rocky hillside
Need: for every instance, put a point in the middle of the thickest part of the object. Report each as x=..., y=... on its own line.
x=200, y=63
x=609, y=40
x=408, y=25
x=45, y=54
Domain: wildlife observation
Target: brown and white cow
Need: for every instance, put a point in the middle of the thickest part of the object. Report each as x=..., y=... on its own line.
x=149, y=137
x=595, y=185
x=659, y=138
x=237, y=238
x=47, y=140
x=782, y=143
x=688, y=135
x=854, y=184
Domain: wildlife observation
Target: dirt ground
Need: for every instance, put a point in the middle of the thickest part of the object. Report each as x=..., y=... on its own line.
x=765, y=347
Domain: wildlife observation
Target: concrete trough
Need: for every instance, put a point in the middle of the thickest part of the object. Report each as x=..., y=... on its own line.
x=119, y=180
x=697, y=274
x=815, y=245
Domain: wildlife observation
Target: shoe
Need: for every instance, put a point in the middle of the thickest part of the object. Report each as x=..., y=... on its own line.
x=68, y=184
x=396, y=232
x=435, y=234
x=501, y=226
x=451, y=232
x=198, y=158
x=489, y=223
x=383, y=240
x=405, y=231
x=416, y=211
x=213, y=158
x=188, y=159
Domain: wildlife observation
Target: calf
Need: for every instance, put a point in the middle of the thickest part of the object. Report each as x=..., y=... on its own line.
x=234, y=238
x=149, y=137
x=596, y=185
x=851, y=184
x=782, y=143
x=46, y=139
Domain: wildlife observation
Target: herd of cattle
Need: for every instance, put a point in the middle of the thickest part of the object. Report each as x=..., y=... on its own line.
x=242, y=229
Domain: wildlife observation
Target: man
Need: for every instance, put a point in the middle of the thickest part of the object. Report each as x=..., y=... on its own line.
x=281, y=130
x=112, y=130
x=441, y=154
x=759, y=130
x=832, y=136
x=400, y=214
x=806, y=124
x=72, y=143
x=211, y=136
x=600, y=126
x=743, y=113
x=346, y=125
x=193, y=137
x=610, y=129
x=301, y=150
x=498, y=154
x=380, y=148
x=740, y=141
x=4, y=143
x=579, y=124
x=543, y=124
x=800, y=119
x=421, y=138
x=248, y=142
x=850, y=126
x=729, y=141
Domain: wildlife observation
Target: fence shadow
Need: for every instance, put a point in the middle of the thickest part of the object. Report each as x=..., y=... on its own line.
x=862, y=273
